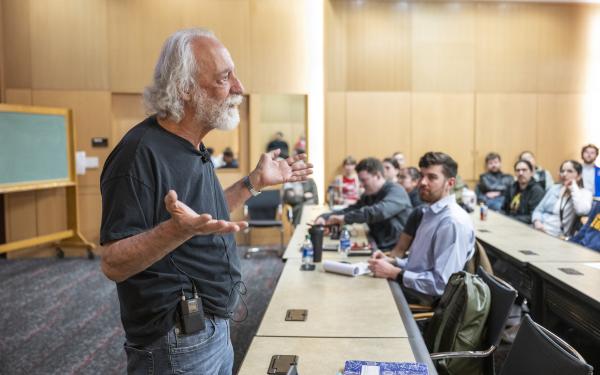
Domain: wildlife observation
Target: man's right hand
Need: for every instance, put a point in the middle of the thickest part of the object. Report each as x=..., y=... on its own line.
x=192, y=224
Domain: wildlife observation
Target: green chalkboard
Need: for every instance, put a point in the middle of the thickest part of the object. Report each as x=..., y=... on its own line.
x=33, y=148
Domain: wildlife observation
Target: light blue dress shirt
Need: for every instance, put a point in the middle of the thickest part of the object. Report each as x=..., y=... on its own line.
x=443, y=243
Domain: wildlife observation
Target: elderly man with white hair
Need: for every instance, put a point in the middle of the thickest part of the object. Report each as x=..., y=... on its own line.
x=169, y=242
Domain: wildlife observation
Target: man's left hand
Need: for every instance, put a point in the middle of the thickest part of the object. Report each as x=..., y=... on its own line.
x=382, y=268
x=271, y=170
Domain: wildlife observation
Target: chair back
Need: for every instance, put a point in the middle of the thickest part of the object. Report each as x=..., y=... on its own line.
x=264, y=206
x=539, y=351
x=479, y=259
x=503, y=297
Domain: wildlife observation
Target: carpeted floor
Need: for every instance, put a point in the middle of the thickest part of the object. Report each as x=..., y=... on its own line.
x=61, y=316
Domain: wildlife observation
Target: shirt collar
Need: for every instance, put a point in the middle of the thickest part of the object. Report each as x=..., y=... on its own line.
x=438, y=206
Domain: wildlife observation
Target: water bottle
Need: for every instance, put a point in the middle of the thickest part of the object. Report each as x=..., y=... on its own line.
x=307, y=252
x=483, y=211
x=345, y=241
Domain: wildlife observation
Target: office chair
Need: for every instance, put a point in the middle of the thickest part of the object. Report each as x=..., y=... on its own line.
x=536, y=350
x=503, y=296
x=264, y=211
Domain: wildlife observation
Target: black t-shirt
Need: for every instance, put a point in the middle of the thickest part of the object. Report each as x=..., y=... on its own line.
x=413, y=221
x=147, y=163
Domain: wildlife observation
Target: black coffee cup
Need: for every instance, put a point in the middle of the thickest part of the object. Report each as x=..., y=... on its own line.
x=316, y=237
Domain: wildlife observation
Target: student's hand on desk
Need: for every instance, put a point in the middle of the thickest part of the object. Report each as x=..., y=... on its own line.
x=193, y=224
x=320, y=221
x=335, y=219
x=378, y=254
x=538, y=225
x=382, y=268
x=271, y=170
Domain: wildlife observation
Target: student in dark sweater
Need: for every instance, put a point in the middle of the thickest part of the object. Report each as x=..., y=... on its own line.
x=523, y=196
x=384, y=206
x=493, y=184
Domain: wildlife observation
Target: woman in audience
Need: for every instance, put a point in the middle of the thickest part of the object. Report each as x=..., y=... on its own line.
x=560, y=209
x=523, y=196
x=346, y=186
x=409, y=179
x=391, y=169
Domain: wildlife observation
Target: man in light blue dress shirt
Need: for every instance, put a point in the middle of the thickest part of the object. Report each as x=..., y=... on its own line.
x=444, y=240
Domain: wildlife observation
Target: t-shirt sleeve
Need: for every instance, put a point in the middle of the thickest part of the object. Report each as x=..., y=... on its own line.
x=413, y=221
x=127, y=208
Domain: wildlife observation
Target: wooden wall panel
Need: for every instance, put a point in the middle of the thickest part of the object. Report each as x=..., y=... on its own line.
x=561, y=129
x=443, y=39
x=90, y=213
x=91, y=117
x=566, y=47
x=18, y=96
x=17, y=45
x=506, y=124
x=444, y=122
x=279, y=58
x=138, y=28
x=20, y=216
x=377, y=124
x=127, y=111
x=335, y=46
x=378, y=46
x=69, y=47
x=335, y=134
x=507, y=50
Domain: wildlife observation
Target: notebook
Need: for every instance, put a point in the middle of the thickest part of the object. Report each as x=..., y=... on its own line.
x=384, y=368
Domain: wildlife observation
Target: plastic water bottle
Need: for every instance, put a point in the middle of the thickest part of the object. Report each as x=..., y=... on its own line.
x=307, y=252
x=483, y=211
x=345, y=241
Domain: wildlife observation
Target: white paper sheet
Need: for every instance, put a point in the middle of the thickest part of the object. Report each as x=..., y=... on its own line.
x=595, y=265
x=350, y=269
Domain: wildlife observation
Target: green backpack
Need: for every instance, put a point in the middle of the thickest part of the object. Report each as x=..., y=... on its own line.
x=459, y=323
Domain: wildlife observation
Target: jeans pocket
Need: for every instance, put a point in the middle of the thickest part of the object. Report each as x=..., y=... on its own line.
x=185, y=343
x=139, y=361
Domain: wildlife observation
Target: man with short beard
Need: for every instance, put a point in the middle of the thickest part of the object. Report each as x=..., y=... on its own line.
x=168, y=238
x=444, y=240
x=589, y=154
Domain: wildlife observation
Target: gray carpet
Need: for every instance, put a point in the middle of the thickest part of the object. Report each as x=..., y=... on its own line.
x=61, y=316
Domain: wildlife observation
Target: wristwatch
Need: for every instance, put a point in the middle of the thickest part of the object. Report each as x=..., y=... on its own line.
x=250, y=187
x=400, y=277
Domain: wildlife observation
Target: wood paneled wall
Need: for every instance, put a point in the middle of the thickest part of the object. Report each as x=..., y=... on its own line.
x=466, y=78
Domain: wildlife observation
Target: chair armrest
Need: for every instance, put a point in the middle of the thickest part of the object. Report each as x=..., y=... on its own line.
x=414, y=308
x=465, y=354
x=423, y=315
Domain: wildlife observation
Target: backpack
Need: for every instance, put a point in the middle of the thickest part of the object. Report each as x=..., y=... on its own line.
x=459, y=323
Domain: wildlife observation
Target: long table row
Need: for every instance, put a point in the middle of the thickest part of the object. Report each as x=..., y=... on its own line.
x=348, y=318
x=560, y=280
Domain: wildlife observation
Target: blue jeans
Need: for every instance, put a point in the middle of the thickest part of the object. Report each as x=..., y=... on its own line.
x=495, y=204
x=208, y=352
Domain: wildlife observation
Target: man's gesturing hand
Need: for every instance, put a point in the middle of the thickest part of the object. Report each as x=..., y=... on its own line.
x=272, y=171
x=193, y=224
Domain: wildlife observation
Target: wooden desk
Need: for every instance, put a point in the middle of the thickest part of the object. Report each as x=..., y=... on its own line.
x=323, y=356
x=571, y=298
x=338, y=305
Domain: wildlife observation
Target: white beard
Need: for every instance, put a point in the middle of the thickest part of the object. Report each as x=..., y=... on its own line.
x=224, y=116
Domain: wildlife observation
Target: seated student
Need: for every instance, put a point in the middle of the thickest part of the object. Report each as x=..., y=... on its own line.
x=523, y=196
x=391, y=170
x=399, y=156
x=589, y=154
x=492, y=184
x=559, y=210
x=384, y=206
x=443, y=242
x=229, y=160
x=346, y=185
x=408, y=234
x=279, y=143
x=299, y=193
x=409, y=179
x=541, y=175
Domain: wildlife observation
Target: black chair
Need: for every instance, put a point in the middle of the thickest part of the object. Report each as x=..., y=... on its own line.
x=539, y=351
x=503, y=296
x=264, y=211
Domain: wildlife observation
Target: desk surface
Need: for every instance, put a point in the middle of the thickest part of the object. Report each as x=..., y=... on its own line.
x=587, y=282
x=518, y=240
x=338, y=305
x=323, y=355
